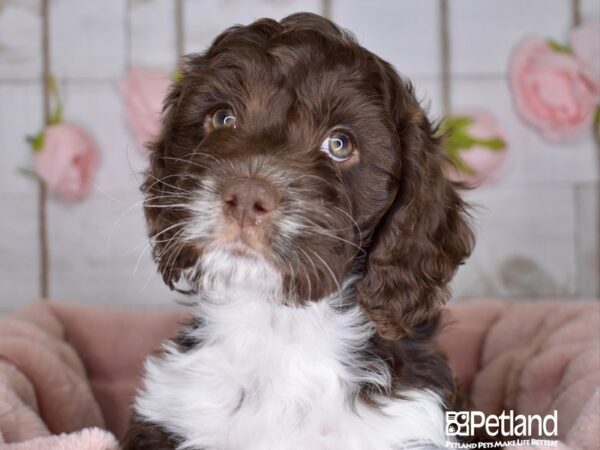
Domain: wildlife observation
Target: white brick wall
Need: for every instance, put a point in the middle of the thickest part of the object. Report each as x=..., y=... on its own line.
x=19, y=268
x=537, y=226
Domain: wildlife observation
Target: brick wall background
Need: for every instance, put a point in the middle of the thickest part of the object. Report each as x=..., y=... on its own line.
x=537, y=226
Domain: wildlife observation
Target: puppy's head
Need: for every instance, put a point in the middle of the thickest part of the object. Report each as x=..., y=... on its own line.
x=292, y=157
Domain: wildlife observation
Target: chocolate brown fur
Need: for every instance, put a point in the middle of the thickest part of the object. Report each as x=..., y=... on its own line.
x=289, y=83
x=147, y=436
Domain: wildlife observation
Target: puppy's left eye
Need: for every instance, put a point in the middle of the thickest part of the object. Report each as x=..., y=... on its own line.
x=221, y=118
x=338, y=146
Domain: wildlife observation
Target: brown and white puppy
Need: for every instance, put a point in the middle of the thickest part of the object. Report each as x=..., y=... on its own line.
x=297, y=190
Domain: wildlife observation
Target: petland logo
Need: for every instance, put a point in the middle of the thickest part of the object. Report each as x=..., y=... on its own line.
x=506, y=425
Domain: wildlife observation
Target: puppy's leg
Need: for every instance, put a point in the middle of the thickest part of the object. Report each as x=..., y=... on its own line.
x=143, y=435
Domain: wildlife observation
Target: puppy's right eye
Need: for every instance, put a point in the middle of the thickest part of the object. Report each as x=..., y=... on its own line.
x=222, y=117
x=338, y=146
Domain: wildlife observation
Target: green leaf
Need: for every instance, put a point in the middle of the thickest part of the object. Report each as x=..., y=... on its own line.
x=558, y=47
x=495, y=144
x=455, y=122
x=462, y=166
x=57, y=116
x=177, y=75
x=457, y=139
x=29, y=173
x=597, y=117
x=459, y=121
x=52, y=85
x=37, y=141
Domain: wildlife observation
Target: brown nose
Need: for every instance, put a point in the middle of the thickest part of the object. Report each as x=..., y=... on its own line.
x=248, y=200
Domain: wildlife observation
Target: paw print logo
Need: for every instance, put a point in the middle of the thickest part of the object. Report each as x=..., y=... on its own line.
x=457, y=423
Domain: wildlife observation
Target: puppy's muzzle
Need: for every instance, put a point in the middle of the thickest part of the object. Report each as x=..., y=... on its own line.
x=249, y=202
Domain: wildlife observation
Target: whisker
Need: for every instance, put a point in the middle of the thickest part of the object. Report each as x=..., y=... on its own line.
x=315, y=177
x=178, y=224
x=176, y=175
x=166, y=184
x=116, y=223
x=130, y=208
x=292, y=273
x=330, y=271
x=142, y=253
x=304, y=222
x=170, y=248
x=187, y=161
x=332, y=236
x=135, y=175
x=151, y=241
x=315, y=271
x=359, y=231
x=174, y=257
x=351, y=218
x=309, y=284
x=196, y=152
x=144, y=243
x=98, y=189
x=146, y=283
x=171, y=242
x=173, y=205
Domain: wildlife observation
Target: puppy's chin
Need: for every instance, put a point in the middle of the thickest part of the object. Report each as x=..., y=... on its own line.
x=237, y=269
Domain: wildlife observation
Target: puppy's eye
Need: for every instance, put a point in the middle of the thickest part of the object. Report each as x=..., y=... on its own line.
x=338, y=146
x=222, y=117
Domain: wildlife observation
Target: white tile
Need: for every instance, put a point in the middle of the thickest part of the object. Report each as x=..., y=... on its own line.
x=429, y=93
x=588, y=241
x=590, y=10
x=98, y=108
x=97, y=253
x=87, y=38
x=20, y=115
x=6, y=309
x=152, y=34
x=531, y=159
x=20, y=39
x=19, y=277
x=206, y=19
x=525, y=244
x=483, y=32
x=403, y=32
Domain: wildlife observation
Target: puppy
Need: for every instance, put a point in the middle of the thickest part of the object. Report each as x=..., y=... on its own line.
x=296, y=190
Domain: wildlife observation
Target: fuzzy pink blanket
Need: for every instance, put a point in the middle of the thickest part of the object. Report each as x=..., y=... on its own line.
x=69, y=372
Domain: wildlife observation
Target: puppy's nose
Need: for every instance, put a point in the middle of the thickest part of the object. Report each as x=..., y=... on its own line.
x=247, y=200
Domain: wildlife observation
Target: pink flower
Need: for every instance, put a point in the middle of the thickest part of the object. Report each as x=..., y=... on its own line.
x=143, y=91
x=66, y=160
x=553, y=91
x=585, y=42
x=475, y=145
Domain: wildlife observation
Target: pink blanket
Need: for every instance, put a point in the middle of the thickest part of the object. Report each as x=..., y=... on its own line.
x=532, y=358
x=65, y=368
x=69, y=372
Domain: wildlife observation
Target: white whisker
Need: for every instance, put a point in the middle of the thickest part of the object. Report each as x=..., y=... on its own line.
x=329, y=270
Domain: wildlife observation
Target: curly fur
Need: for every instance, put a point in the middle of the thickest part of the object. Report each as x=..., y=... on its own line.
x=387, y=229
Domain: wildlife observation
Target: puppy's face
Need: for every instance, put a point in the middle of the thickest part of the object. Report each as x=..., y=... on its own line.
x=282, y=149
x=281, y=152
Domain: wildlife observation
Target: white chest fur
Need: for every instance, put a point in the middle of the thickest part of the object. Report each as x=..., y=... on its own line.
x=271, y=377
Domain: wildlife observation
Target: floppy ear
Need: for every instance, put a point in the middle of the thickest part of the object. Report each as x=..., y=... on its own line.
x=158, y=188
x=423, y=237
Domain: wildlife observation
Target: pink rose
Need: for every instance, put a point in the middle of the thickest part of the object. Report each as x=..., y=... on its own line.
x=475, y=145
x=67, y=160
x=553, y=91
x=143, y=91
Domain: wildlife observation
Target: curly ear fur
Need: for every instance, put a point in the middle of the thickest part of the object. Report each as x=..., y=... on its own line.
x=424, y=235
x=161, y=184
